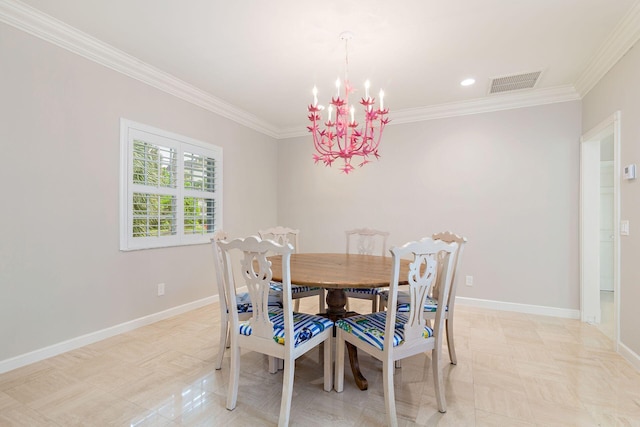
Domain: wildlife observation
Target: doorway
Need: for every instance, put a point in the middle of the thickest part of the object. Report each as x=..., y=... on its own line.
x=599, y=221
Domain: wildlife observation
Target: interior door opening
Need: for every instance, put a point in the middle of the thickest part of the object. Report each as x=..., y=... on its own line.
x=599, y=221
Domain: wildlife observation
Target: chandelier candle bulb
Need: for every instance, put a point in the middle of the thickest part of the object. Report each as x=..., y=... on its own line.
x=381, y=100
x=315, y=96
x=366, y=90
x=353, y=112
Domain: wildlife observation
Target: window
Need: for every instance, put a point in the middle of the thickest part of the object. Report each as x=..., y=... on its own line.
x=171, y=188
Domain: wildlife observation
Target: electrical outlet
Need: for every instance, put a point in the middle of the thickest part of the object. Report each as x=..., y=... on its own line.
x=160, y=289
x=469, y=281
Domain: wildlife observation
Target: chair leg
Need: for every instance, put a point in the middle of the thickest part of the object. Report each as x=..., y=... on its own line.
x=437, y=379
x=287, y=393
x=234, y=377
x=338, y=382
x=273, y=365
x=224, y=339
x=389, y=392
x=374, y=303
x=328, y=377
x=321, y=306
x=450, y=344
x=296, y=305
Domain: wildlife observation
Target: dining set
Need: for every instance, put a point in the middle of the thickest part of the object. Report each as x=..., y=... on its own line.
x=412, y=295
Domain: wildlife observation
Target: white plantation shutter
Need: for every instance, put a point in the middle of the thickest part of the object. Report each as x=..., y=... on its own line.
x=199, y=191
x=171, y=188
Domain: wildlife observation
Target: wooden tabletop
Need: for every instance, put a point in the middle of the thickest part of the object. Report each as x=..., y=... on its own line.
x=338, y=270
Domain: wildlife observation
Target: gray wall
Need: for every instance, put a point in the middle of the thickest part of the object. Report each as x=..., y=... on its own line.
x=508, y=181
x=61, y=272
x=618, y=90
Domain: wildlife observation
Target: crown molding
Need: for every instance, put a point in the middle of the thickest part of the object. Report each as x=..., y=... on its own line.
x=34, y=22
x=293, y=132
x=498, y=102
x=623, y=37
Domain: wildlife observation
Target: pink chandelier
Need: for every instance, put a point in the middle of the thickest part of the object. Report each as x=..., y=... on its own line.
x=342, y=137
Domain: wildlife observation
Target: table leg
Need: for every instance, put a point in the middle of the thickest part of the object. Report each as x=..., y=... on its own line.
x=336, y=302
x=361, y=381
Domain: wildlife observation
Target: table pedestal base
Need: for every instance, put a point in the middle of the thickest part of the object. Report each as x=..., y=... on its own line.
x=336, y=302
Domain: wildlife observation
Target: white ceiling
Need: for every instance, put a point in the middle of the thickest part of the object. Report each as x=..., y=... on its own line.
x=264, y=57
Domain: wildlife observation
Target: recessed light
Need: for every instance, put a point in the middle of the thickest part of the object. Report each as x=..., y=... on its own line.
x=468, y=82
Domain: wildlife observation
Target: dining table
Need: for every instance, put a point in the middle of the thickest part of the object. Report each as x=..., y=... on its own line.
x=336, y=272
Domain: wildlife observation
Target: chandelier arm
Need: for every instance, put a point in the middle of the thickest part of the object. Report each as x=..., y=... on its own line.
x=345, y=108
x=356, y=149
x=382, y=125
x=318, y=145
x=359, y=143
x=316, y=134
x=340, y=118
x=362, y=140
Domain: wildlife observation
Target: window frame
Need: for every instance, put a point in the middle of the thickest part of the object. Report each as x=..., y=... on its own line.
x=131, y=131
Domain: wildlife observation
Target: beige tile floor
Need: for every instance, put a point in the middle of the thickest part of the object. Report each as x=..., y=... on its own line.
x=513, y=370
x=606, y=314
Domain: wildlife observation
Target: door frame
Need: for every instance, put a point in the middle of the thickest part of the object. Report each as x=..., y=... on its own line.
x=590, y=222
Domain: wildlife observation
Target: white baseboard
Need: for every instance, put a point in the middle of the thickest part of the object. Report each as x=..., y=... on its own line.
x=520, y=308
x=629, y=355
x=81, y=341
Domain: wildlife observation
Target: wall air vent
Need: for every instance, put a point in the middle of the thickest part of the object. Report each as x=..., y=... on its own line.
x=514, y=82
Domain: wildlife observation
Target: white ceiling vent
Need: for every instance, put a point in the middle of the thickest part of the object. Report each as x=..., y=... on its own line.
x=514, y=82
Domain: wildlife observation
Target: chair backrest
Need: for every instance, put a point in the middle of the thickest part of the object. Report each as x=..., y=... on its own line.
x=429, y=259
x=281, y=235
x=367, y=241
x=217, y=261
x=449, y=237
x=256, y=275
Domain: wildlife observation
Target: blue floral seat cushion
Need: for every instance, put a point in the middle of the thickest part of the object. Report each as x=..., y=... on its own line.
x=295, y=289
x=370, y=328
x=305, y=326
x=243, y=301
x=404, y=302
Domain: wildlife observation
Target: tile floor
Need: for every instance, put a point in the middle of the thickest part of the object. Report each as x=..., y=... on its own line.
x=606, y=314
x=513, y=370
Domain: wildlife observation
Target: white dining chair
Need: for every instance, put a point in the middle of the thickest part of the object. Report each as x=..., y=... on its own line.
x=242, y=300
x=285, y=235
x=366, y=241
x=449, y=237
x=390, y=335
x=278, y=333
x=431, y=305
